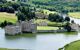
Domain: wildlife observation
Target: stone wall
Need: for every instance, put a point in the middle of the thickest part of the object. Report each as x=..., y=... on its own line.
x=41, y=15
x=74, y=26
x=51, y=31
x=43, y=23
x=28, y=26
x=21, y=27
x=12, y=30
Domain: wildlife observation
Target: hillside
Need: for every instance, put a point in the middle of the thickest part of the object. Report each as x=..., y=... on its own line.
x=70, y=5
x=54, y=5
x=8, y=17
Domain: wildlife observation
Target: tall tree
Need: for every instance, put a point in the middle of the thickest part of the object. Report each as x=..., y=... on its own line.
x=28, y=14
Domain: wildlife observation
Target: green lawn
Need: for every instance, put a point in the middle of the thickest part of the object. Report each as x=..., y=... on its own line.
x=49, y=22
x=48, y=12
x=75, y=14
x=8, y=17
x=73, y=46
x=46, y=28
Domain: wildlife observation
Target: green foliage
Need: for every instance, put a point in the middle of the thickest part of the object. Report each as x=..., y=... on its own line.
x=52, y=5
x=67, y=18
x=56, y=5
x=55, y=18
x=13, y=5
x=21, y=16
x=26, y=13
x=5, y=23
x=67, y=27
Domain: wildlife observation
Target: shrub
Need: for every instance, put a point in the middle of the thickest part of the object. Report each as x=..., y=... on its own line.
x=55, y=18
x=10, y=10
x=67, y=19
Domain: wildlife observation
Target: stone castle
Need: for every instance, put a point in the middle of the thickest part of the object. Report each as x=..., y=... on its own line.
x=21, y=27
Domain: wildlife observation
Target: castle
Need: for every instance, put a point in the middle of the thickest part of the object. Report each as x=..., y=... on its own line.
x=21, y=27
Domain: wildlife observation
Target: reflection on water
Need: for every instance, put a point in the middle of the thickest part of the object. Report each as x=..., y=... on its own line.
x=54, y=41
x=17, y=42
x=42, y=41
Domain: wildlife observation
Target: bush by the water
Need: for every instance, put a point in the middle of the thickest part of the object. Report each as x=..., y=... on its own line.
x=5, y=23
x=67, y=27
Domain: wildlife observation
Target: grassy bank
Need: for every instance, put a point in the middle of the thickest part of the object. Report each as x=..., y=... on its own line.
x=75, y=14
x=46, y=28
x=8, y=17
x=10, y=49
x=73, y=46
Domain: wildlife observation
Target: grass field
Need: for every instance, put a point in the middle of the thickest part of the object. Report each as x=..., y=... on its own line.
x=73, y=46
x=8, y=17
x=46, y=28
x=48, y=12
x=75, y=14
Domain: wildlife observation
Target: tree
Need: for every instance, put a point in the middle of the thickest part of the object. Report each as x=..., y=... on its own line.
x=67, y=19
x=15, y=5
x=26, y=13
x=55, y=18
x=9, y=23
x=10, y=10
x=3, y=24
x=21, y=16
x=72, y=21
x=67, y=27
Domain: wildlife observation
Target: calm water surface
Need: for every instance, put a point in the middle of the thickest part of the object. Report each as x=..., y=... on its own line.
x=43, y=41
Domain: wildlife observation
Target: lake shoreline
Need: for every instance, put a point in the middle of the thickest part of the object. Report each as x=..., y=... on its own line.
x=68, y=45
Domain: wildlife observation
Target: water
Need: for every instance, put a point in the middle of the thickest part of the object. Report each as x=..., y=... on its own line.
x=17, y=42
x=43, y=41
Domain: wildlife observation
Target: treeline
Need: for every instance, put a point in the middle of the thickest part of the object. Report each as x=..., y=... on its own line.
x=52, y=5
x=9, y=7
x=25, y=13
x=58, y=18
x=58, y=5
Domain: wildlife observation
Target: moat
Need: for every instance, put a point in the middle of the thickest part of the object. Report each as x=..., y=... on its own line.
x=42, y=41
